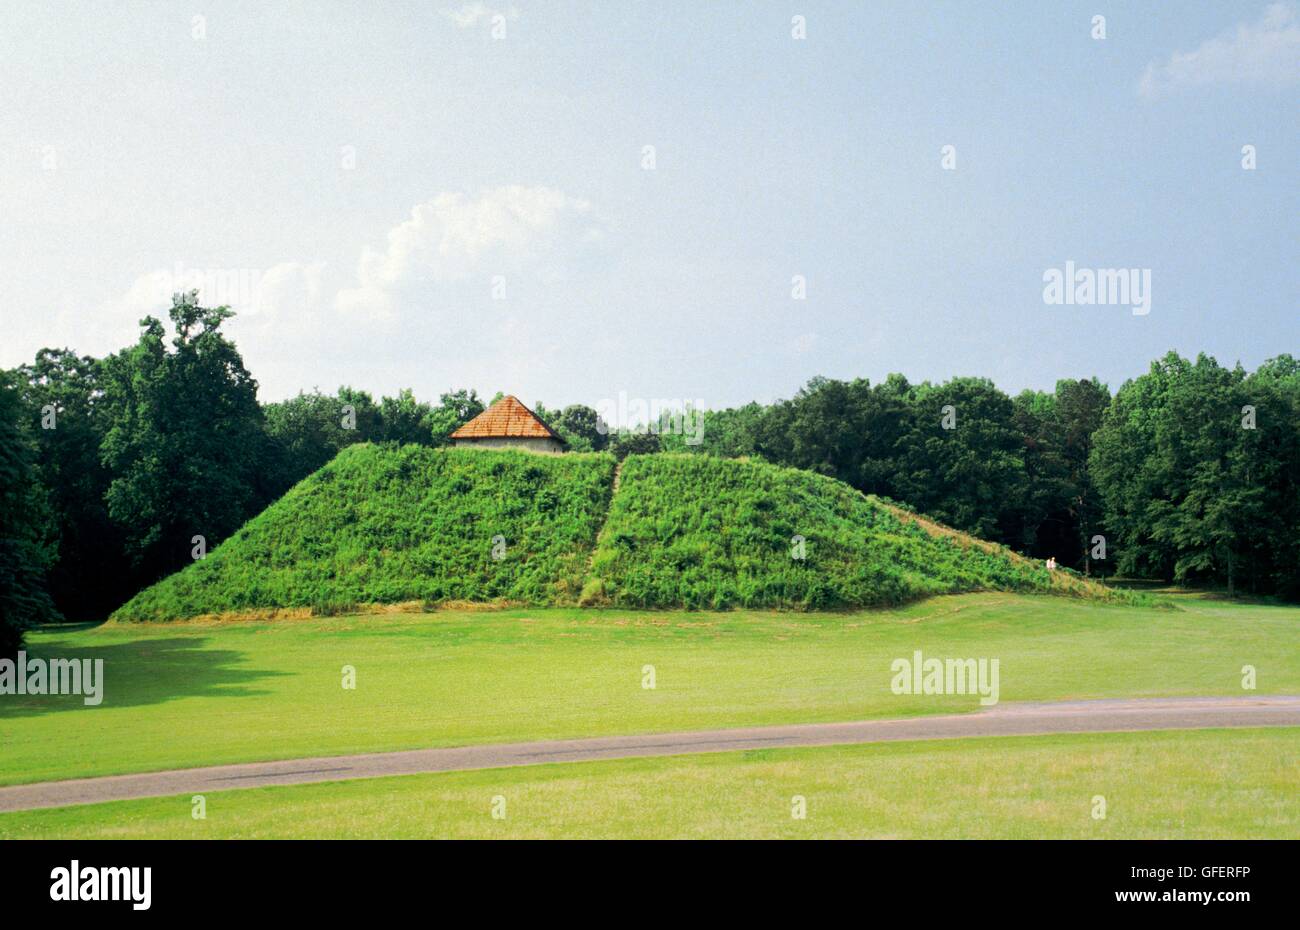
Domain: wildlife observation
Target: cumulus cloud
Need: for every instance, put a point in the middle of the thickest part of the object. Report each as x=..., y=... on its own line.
x=297, y=323
x=1265, y=52
x=289, y=287
x=537, y=232
x=286, y=302
x=115, y=322
x=454, y=236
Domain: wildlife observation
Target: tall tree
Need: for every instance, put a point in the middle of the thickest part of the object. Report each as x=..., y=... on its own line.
x=90, y=575
x=308, y=430
x=1184, y=472
x=454, y=409
x=581, y=427
x=961, y=459
x=1039, y=520
x=406, y=420
x=186, y=444
x=845, y=429
x=731, y=432
x=1080, y=407
x=25, y=549
x=1272, y=554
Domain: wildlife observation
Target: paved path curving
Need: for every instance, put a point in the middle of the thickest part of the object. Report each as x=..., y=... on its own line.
x=1002, y=720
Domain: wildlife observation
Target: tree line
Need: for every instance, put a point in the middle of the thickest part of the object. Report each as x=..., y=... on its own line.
x=114, y=471
x=1189, y=473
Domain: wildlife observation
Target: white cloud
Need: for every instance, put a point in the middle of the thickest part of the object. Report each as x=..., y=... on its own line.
x=510, y=231
x=288, y=331
x=503, y=231
x=287, y=295
x=1265, y=52
x=297, y=328
x=114, y=323
x=250, y=292
x=280, y=305
x=470, y=14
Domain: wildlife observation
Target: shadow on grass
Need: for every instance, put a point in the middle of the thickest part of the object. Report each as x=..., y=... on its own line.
x=145, y=671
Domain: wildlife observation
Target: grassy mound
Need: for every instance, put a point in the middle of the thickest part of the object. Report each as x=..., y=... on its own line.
x=697, y=532
x=383, y=525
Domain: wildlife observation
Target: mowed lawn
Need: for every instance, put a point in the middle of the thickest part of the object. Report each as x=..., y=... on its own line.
x=192, y=694
x=1189, y=784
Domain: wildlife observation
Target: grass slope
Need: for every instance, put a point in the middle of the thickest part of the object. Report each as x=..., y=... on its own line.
x=387, y=525
x=1220, y=784
x=381, y=525
x=698, y=532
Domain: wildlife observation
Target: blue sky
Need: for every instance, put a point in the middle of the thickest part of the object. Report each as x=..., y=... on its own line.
x=392, y=196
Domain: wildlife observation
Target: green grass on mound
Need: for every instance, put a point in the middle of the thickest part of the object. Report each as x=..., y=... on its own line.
x=382, y=525
x=697, y=532
x=388, y=525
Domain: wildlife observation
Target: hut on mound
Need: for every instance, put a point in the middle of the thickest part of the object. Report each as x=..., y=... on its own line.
x=508, y=424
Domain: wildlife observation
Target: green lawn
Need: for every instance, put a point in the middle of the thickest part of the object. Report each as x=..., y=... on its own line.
x=1199, y=784
x=181, y=695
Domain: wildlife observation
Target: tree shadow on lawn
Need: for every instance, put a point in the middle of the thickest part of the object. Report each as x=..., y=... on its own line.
x=146, y=671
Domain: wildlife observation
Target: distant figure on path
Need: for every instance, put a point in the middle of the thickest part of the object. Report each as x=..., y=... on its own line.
x=1051, y=564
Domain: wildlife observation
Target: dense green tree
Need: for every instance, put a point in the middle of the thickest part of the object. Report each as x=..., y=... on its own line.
x=1190, y=479
x=1127, y=468
x=960, y=458
x=90, y=575
x=454, y=410
x=406, y=420
x=730, y=433
x=307, y=431
x=846, y=430
x=1080, y=405
x=1040, y=521
x=25, y=547
x=186, y=445
x=1272, y=553
x=582, y=428
x=359, y=404
x=634, y=442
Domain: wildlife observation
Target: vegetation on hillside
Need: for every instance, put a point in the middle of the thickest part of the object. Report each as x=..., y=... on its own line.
x=390, y=524
x=136, y=453
x=1188, y=472
x=698, y=532
x=387, y=524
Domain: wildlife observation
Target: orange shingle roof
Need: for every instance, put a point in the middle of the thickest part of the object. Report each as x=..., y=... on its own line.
x=506, y=418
